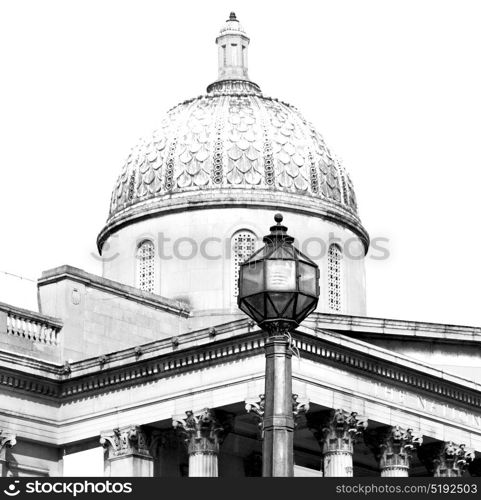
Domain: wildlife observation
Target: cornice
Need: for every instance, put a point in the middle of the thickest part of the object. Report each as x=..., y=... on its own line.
x=166, y=365
x=365, y=326
x=399, y=370
x=35, y=366
x=234, y=198
x=114, y=288
x=32, y=384
x=235, y=341
x=234, y=87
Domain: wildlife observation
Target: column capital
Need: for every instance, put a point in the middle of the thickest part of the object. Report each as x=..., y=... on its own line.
x=337, y=430
x=126, y=441
x=203, y=430
x=7, y=440
x=299, y=407
x=393, y=446
x=446, y=459
x=257, y=408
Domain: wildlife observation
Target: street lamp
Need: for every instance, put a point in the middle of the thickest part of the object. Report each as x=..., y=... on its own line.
x=278, y=289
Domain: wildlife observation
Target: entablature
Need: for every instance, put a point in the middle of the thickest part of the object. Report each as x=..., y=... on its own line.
x=228, y=342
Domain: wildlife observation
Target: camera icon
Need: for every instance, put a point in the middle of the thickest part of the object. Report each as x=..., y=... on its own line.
x=12, y=490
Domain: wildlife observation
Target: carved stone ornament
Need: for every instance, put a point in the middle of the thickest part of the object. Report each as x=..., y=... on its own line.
x=299, y=407
x=202, y=431
x=7, y=440
x=446, y=459
x=126, y=441
x=393, y=446
x=256, y=408
x=337, y=430
x=232, y=141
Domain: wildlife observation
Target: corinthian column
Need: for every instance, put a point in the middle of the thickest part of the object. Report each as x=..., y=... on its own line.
x=445, y=459
x=7, y=440
x=393, y=448
x=203, y=434
x=127, y=452
x=337, y=431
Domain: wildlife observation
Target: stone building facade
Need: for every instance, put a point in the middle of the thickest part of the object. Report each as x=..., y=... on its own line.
x=154, y=365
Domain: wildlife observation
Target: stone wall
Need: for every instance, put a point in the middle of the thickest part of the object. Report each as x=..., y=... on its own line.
x=102, y=316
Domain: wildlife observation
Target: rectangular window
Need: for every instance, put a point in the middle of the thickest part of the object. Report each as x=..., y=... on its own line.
x=234, y=54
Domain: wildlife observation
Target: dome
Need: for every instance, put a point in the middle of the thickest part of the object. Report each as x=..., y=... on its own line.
x=233, y=146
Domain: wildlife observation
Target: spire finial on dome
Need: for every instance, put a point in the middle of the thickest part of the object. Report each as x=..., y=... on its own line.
x=232, y=43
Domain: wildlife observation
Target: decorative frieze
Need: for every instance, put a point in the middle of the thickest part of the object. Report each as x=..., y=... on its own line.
x=92, y=379
x=446, y=459
x=393, y=448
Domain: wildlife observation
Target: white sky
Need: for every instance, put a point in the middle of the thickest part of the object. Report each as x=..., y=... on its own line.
x=393, y=86
x=87, y=463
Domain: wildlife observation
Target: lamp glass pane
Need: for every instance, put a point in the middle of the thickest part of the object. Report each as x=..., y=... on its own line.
x=281, y=275
x=303, y=302
x=279, y=302
x=283, y=252
x=249, y=307
x=252, y=278
x=256, y=303
x=307, y=279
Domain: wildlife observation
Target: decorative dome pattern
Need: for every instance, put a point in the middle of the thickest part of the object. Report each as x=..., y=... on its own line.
x=233, y=147
x=233, y=137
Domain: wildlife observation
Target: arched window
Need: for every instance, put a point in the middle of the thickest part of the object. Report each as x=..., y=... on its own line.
x=243, y=246
x=334, y=258
x=146, y=266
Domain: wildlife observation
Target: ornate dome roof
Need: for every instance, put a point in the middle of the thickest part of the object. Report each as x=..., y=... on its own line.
x=233, y=146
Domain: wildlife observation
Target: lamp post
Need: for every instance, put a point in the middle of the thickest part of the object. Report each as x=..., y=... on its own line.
x=278, y=289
